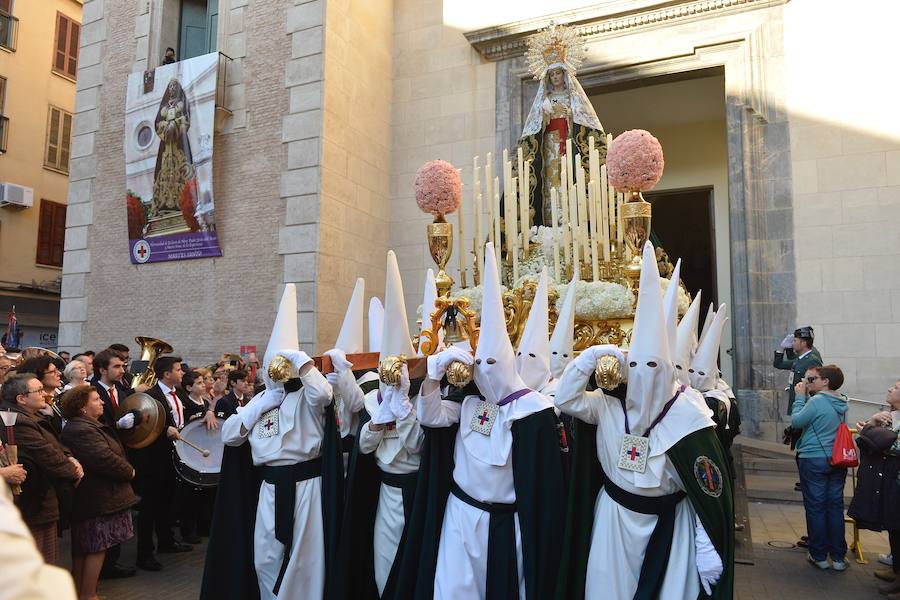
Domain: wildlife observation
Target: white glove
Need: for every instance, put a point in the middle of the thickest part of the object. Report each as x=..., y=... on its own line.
x=339, y=360
x=709, y=565
x=297, y=357
x=332, y=379
x=399, y=396
x=126, y=422
x=383, y=414
x=586, y=362
x=788, y=341
x=438, y=363
x=261, y=404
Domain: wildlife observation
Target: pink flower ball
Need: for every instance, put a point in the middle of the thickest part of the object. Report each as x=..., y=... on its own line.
x=438, y=188
x=635, y=161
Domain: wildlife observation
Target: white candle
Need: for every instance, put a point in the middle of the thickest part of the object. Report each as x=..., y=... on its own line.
x=489, y=194
x=495, y=224
x=582, y=206
x=592, y=237
x=607, y=209
x=620, y=225
x=573, y=214
x=513, y=235
x=462, y=245
x=566, y=219
x=525, y=206
x=555, y=214
x=476, y=197
x=569, y=181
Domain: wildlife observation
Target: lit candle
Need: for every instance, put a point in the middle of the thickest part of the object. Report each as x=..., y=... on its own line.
x=555, y=214
x=476, y=196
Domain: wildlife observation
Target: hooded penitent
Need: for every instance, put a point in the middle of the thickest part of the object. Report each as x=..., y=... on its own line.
x=284, y=331
x=704, y=371
x=686, y=342
x=710, y=315
x=376, y=322
x=533, y=356
x=395, y=339
x=562, y=342
x=651, y=376
x=670, y=306
x=350, y=338
x=428, y=299
x=495, y=361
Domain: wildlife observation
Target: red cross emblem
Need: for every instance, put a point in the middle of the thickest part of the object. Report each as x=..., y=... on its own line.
x=141, y=251
x=633, y=453
x=484, y=418
x=269, y=424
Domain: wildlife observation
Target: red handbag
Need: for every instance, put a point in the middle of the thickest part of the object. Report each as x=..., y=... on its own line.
x=844, y=454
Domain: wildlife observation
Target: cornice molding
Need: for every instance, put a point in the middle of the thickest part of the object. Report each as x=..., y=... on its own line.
x=508, y=41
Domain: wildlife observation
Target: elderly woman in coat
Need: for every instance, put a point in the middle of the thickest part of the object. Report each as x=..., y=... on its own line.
x=49, y=464
x=100, y=511
x=877, y=495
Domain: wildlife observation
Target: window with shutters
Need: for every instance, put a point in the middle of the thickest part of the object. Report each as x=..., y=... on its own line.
x=51, y=234
x=4, y=120
x=9, y=26
x=59, y=138
x=65, y=51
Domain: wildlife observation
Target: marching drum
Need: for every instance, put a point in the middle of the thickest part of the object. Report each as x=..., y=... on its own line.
x=192, y=464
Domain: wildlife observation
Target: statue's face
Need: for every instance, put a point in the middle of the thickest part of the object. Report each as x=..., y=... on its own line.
x=557, y=78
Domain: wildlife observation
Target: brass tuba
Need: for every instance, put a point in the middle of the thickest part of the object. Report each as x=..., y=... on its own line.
x=152, y=419
x=151, y=348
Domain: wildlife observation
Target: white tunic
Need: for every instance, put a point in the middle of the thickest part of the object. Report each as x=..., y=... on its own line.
x=392, y=455
x=300, y=431
x=483, y=469
x=619, y=537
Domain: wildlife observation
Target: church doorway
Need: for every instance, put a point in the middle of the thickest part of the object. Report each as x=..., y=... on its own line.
x=686, y=112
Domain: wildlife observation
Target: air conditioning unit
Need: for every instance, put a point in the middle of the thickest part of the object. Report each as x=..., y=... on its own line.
x=17, y=196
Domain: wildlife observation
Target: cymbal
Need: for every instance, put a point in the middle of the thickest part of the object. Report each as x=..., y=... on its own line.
x=148, y=426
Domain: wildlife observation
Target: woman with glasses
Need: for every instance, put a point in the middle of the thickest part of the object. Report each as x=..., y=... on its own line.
x=75, y=373
x=49, y=464
x=818, y=410
x=50, y=377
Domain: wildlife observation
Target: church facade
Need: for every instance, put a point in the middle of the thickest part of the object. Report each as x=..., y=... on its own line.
x=328, y=108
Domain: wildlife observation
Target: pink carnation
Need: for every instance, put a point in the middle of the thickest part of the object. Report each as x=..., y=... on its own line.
x=635, y=161
x=438, y=188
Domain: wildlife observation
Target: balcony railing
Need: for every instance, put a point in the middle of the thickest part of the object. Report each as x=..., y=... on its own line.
x=4, y=133
x=9, y=31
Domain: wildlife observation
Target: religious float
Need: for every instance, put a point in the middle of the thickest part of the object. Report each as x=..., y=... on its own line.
x=568, y=198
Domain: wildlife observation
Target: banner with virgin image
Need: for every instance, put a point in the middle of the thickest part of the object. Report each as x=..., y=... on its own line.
x=169, y=127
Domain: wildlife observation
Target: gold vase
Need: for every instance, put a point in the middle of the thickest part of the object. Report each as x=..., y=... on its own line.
x=636, y=213
x=440, y=245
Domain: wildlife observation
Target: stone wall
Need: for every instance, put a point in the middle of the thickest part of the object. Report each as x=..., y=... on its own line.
x=845, y=150
x=204, y=306
x=443, y=107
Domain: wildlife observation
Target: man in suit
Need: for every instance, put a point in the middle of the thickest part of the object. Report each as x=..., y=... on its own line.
x=797, y=354
x=240, y=388
x=108, y=369
x=155, y=473
x=123, y=352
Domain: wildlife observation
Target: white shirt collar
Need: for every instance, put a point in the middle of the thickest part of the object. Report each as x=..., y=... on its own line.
x=804, y=354
x=107, y=387
x=166, y=390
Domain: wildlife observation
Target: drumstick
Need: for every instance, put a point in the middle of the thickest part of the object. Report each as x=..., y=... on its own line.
x=202, y=451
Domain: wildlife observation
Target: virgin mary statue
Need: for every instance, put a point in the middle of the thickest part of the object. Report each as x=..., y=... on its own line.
x=560, y=111
x=174, y=162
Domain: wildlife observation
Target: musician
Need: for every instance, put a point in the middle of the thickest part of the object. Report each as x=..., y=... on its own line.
x=155, y=479
x=239, y=387
x=193, y=503
x=108, y=368
x=123, y=352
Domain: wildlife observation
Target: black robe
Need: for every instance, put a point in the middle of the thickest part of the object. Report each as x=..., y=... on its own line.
x=540, y=504
x=229, y=572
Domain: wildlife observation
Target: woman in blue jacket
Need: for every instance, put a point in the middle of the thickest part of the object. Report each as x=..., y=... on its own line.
x=818, y=409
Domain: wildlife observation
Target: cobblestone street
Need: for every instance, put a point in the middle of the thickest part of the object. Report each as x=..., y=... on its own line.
x=777, y=572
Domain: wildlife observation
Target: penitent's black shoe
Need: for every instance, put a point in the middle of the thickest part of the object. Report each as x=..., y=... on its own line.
x=174, y=548
x=149, y=564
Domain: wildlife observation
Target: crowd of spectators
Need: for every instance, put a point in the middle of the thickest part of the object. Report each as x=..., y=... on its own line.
x=73, y=473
